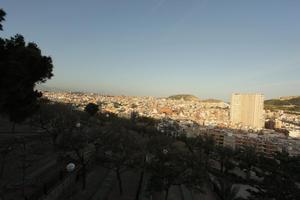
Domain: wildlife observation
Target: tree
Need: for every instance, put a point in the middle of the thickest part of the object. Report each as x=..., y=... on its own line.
x=279, y=178
x=118, y=151
x=56, y=119
x=206, y=145
x=68, y=131
x=225, y=190
x=6, y=146
x=22, y=66
x=25, y=162
x=76, y=142
x=225, y=156
x=197, y=159
x=172, y=165
x=2, y=15
x=91, y=109
x=247, y=157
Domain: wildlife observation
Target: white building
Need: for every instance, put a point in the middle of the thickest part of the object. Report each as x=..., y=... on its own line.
x=247, y=110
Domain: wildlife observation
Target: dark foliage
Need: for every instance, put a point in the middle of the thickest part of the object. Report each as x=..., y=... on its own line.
x=225, y=190
x=91, y=108
x=280, y=177
x=22, y=66
x=171, y=164
x=2, y=15
x=118, y=151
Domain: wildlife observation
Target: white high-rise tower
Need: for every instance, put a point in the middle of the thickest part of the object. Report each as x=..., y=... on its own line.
x=247, y=110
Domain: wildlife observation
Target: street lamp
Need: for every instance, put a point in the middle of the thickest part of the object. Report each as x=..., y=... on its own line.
x=78, y=125
x=70, y=167
x=148, y=158
x=165, y=151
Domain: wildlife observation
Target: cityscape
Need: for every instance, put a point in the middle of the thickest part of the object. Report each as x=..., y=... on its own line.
x=232, y=124
x=149, y=100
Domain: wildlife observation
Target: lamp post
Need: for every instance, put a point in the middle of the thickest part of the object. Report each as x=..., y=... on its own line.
x=70, y=168
x=165, y=151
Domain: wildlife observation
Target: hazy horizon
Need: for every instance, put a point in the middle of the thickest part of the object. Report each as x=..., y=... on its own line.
x=43, y=87
x=209, y=49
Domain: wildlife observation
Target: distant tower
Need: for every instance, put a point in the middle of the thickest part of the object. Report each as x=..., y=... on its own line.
x=248, y=110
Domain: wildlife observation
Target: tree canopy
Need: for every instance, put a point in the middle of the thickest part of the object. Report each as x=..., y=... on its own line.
x=2, y=15
x=91, y=108
x=22, y=66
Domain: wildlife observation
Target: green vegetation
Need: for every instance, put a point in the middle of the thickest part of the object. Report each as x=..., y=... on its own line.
x=291, y=104
x=185, y=97
x=22, y=66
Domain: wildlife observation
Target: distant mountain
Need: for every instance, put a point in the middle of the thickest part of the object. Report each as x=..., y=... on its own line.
x=49, y=89
x=291, y=103
x=185, y=97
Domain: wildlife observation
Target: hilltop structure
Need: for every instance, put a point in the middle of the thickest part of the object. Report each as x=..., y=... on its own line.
x=247, y=110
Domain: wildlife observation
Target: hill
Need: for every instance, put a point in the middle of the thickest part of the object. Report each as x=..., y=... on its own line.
x=185, y=97
x=42, y=87
x=211, y=101
x=288, y=103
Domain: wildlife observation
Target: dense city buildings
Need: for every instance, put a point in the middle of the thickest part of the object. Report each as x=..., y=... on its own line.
x=247, y=110
x=198, y=117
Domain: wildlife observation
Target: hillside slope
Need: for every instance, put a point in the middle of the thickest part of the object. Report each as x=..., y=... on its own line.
x=289, y=104
x=186, y=97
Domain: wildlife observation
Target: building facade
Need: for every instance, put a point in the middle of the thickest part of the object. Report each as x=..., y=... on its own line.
x=247, y=110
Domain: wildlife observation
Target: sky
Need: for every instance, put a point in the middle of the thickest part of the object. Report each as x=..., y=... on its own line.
x=208, y=48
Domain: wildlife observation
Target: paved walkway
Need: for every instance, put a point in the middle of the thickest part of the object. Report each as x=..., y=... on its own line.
x=103, y=185
x=94, y=180
x=106, y=186
x=130, y=184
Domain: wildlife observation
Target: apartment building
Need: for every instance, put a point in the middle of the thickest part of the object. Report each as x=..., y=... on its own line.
x=247, y=110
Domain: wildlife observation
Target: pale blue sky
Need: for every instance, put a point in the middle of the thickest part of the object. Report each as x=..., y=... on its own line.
x=208, y=48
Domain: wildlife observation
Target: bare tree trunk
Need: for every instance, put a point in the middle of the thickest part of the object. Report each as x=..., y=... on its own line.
x=167, y=194
x=83, y=176
x=24, y=169
x=83, y=171
x=222, y=166
x=140, y=185
x=119, y=181
x=248, y=174
x=3, y=162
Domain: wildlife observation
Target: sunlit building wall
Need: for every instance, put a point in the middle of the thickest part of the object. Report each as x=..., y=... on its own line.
x=247, y=110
